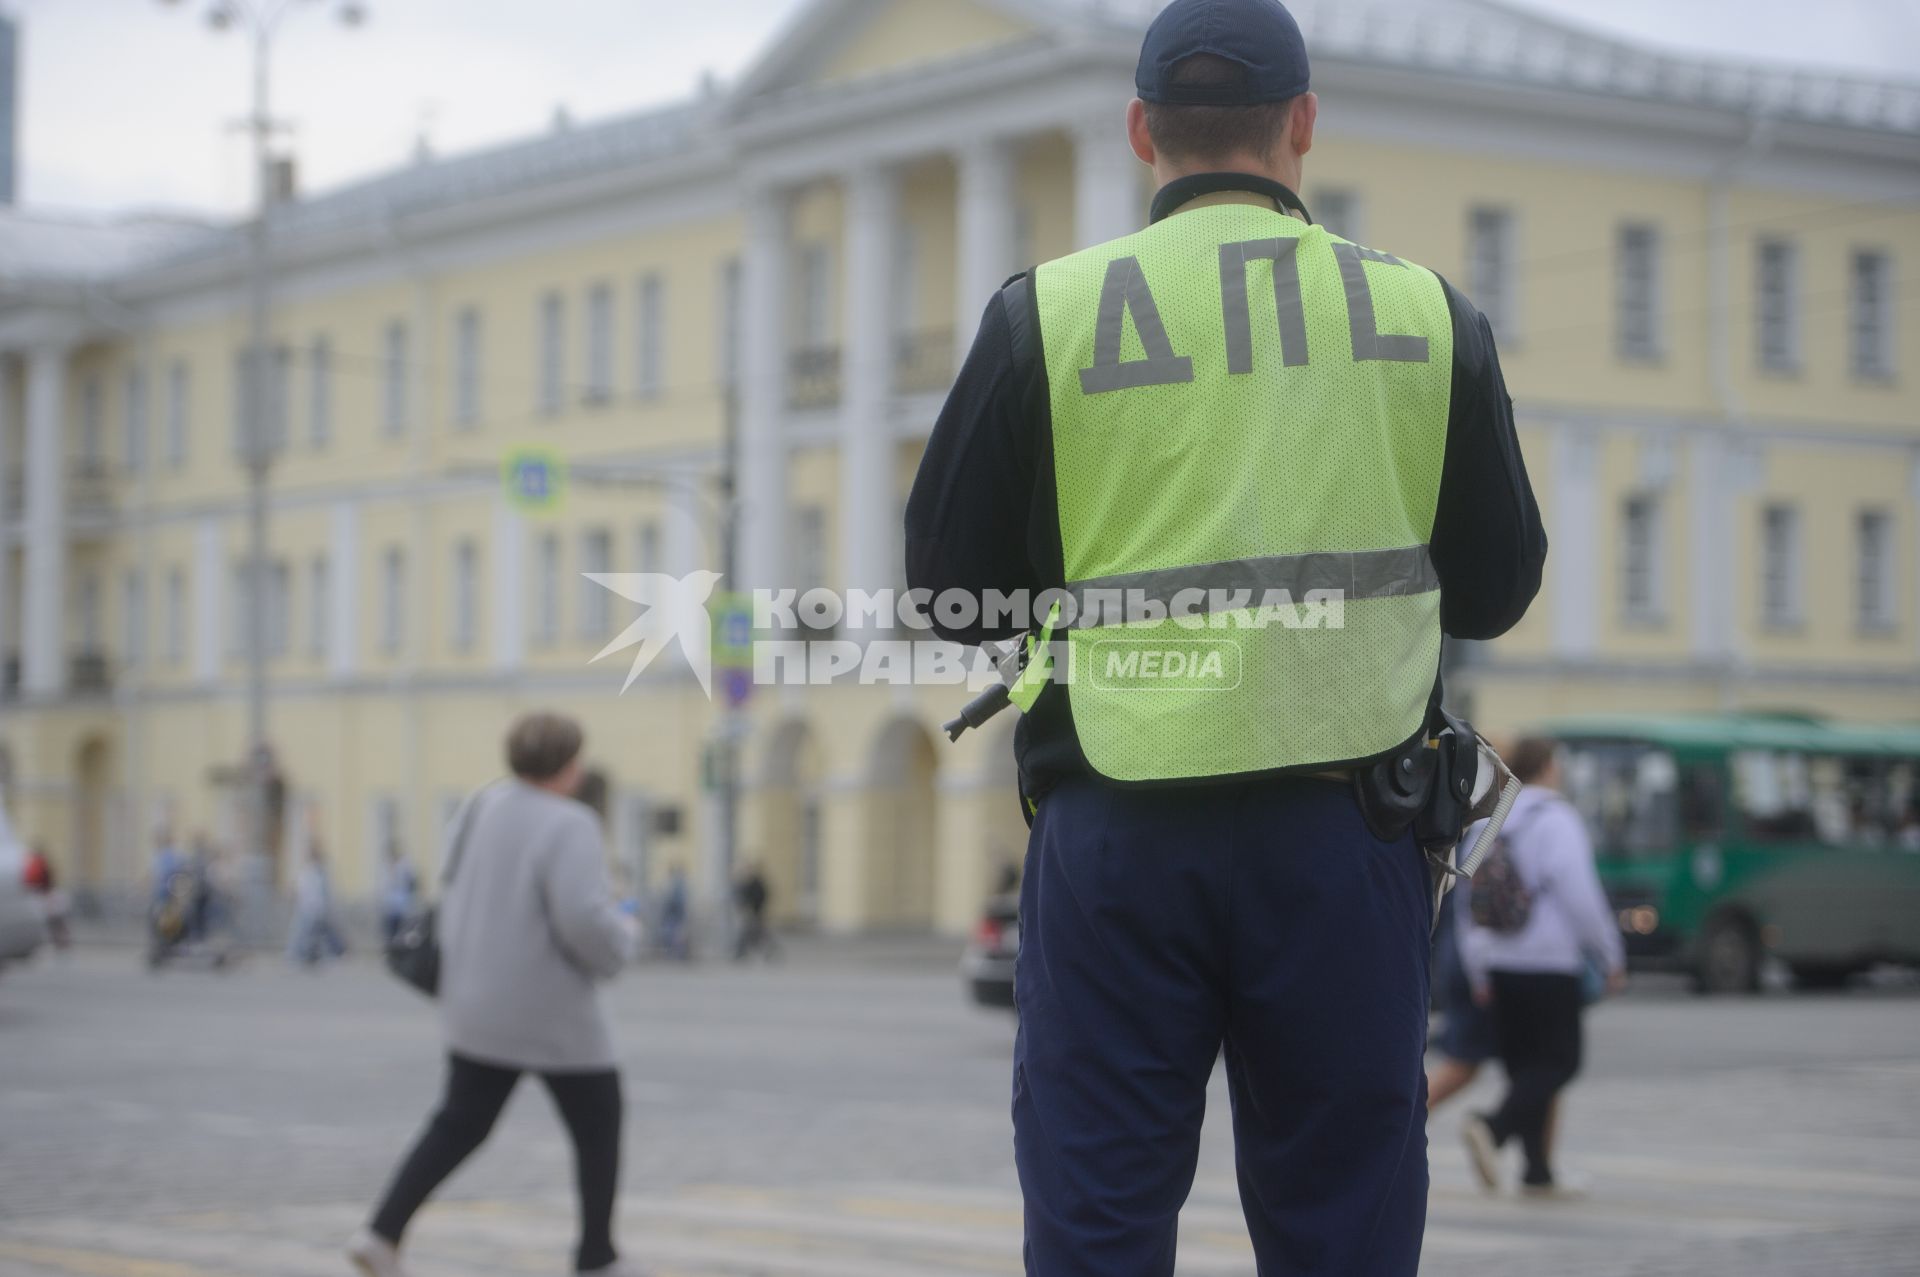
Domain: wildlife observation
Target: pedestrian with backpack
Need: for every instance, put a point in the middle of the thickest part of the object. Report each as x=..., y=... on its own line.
x=1537, y=918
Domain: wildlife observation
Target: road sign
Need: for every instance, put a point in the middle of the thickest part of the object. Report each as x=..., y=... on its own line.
x=534, y=479
x=733, y=644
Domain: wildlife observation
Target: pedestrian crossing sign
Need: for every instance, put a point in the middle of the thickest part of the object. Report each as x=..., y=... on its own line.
x=534, y=479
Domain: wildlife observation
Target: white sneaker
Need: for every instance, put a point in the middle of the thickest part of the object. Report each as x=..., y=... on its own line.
x=375, y=1256
x=1482, y=1153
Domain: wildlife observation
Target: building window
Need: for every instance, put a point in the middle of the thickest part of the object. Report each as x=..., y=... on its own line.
x=1640, y=559
x=1490, y=267
x=649, y=335
x=648, y=545
x=174, y=619
x=240, y=403
x=1870, y=314
x=730, y=321
x=319, y=393
x=1780, y=565
x=546, y=610
x=393, y=600
x=1637, y=291
x=393, y=414
x=596, y=610
x=275, y=601
x=133, y=617
x=279, y=608
x=179, y=393
x=811, y=550
x=1778, y=310
x=319, y=606
x=553, y=366
x=89, y=613
x=466, y=367
x=238, y=619
x=279, y=397
x=91, y=425
x=1338, y=210
x=905, y=298
x=815, y=295
x=1873, y=553
x=599, y=343
x=136, y=419
x=466, y=588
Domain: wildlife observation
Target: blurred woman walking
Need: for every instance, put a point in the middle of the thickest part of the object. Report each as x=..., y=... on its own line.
x=528, y=929
x=1539, y=919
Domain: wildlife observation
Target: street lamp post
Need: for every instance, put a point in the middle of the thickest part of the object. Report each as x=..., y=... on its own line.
x=259, y=21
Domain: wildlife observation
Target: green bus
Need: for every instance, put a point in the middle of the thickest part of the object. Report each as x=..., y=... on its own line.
x=1723, y=839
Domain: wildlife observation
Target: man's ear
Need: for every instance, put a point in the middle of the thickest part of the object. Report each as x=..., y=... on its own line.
x=1137, y=135
x=1306, y=109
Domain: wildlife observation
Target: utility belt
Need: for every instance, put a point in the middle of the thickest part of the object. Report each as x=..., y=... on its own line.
x=1437, y=784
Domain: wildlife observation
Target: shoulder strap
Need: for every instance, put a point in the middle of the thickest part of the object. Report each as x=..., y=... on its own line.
x=459, y=843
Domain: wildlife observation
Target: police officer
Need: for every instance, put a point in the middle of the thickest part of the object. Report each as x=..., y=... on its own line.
x=1294, y=459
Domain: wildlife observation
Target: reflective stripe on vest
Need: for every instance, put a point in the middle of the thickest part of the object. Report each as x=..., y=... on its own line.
x=1249, y=422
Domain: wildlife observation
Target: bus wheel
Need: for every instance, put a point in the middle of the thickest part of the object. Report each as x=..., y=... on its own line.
x=1729, y=957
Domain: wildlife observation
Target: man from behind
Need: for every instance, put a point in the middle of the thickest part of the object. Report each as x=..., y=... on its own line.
x=1311, y=441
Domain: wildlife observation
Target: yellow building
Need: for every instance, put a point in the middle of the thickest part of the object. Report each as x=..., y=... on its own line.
x=1700, y=275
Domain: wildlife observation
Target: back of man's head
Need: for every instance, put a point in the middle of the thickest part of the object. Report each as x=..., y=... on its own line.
x=1204, y=136
x=1222, y=84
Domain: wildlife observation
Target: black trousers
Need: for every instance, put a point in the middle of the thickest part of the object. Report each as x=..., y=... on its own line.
x=1537, y=1019
x=589, y=1104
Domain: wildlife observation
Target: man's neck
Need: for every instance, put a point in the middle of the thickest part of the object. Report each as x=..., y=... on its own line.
x=1201, y=190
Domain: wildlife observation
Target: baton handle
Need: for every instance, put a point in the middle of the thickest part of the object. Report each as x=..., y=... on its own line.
x=978, y=710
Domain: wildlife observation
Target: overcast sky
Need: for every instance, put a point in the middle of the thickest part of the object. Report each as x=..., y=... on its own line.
x=127, y=103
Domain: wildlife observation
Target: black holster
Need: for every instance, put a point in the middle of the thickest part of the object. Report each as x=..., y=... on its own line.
x=1425, y=785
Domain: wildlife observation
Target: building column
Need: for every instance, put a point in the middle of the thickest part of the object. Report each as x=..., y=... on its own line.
x=44, y=607
x=762, y=389
x=984, y=181
x=1106, y=182
x=866, y=432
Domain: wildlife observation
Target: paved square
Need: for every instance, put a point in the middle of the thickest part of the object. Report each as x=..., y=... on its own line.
x=845, y=1115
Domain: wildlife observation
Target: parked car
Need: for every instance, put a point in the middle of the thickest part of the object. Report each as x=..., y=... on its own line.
x=987, y=964
x=22, y=927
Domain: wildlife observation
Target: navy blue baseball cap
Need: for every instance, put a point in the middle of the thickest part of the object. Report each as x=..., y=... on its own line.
x=1259, y=35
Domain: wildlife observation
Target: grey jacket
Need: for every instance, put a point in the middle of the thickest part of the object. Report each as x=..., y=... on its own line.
x=528, y=927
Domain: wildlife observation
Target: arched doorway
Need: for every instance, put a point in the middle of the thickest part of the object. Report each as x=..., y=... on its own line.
x=92, y=812
x=788, y=798
x=902, y=828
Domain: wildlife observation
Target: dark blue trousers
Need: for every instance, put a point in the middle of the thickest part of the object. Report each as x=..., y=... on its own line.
x=1163, y=928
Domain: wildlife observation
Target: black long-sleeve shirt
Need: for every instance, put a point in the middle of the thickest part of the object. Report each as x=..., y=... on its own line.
x=982, y=514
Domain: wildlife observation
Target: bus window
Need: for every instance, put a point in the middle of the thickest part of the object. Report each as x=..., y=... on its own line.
x=1701, y=797
x=1903, y=805
x=1627, y=793
x=1774, y=794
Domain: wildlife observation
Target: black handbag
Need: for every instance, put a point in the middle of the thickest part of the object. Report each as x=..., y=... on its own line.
x=413, y=955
